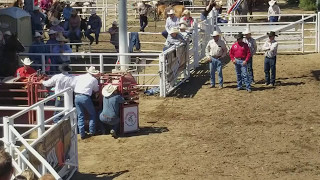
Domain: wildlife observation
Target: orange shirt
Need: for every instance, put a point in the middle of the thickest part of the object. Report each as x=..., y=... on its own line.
x=25, y=73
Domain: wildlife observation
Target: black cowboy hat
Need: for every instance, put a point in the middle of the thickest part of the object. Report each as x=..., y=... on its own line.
x=64, y=68
x=239, y=36
x=271, y=33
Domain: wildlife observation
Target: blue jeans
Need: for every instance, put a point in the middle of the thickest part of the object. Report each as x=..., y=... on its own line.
x=113, y=122
x=77, y=32
x=143, y=22
x=164, y=34
x=270, y=64
x=84, y=102
x=96, y=33
x=202, y=17
x=273, y=18
x=59, y=103
x=250, y=70
x=242, y=74
x=215, y=65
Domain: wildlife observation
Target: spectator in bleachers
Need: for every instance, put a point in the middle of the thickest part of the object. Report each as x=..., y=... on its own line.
x=74, y=32
x=56, y=26
x=37, y=47
x=37, y=20
x=52, y=40
x=143, y=12
x=253, y=49
x=187, y=18
x=25, y=71
x=6, y=167
x=94, y=26
x=174, y=38
x=62, y=47
x=205, y=13
x=66, y=15
x=171, y=22
x=114, y=32
x=273, y=11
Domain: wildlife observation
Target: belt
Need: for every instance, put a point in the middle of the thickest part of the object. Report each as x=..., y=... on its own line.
x=239, y=59
x=108, y=117
x=81, y=94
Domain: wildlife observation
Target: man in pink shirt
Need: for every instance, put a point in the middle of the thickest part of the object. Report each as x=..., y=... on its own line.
x=240, y=54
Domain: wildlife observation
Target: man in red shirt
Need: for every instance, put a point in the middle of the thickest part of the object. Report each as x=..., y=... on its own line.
x=26, y=70
x=240, y=54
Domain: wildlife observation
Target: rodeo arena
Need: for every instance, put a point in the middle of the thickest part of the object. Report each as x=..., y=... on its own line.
x=84, y=83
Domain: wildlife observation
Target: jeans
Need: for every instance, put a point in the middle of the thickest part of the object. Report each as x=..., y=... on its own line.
x=242, y=74
x=96, y=33
x=250, y=70
x=84, y=102
x=270, y=64
x=77, y=32
x=113, y=122
x=273, y=18
x=164, y=34
x=58, y=103
x=143, y=22
x=215, y=65
x=202, y=17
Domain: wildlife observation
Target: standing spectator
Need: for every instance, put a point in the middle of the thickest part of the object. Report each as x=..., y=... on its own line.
x=271, y=48
x=240, y=54
x=66, y=15
x=114, y=33
x=37, y=20
x=25, y=71
x=253, y=49
x=171, y=22
x=62, y=47
x=60, y=82
x=6, y=167
x=215, y=50
x=37, y=47
x=74, y=26
x=273, y=11
x=85, y=85
x=174, y=38
x=94, y=26
x=209, y=7
x=187, y=18
x=143, y=12
x=110, y=114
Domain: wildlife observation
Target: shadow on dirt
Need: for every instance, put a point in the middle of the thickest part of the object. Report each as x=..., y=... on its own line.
x=101, y=176
x=146, y=131
x=316, y=74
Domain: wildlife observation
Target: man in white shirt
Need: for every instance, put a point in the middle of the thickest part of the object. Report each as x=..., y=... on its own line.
x=253, y=49
x=273, y=11
x=60, y=82
x=85, y=85
x=215, y=50
x=171, y=22
x=271, y=48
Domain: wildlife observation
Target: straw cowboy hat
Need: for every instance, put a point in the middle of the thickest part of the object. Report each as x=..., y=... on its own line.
x=64, y=68
x=62, y=39
x=171, y=11
x=92, y=70
x=108, y=90
x=174, y=30
x=239, y=36
x=8, y=33
x=185, y=12
x=37, y=34
x=215, y=33
x=247, y=31
x=272, y=2
x=52, y=32
x=271, y=33
x=55, y=22
x=183, y=26
x=26, y=61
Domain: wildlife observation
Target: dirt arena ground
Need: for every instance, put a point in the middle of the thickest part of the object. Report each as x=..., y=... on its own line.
x=203, y=133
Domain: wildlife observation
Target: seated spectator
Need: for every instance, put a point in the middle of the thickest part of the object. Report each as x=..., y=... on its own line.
x=114, y=32
x=56, y=26
x=110, y=114
x=6, y=167
x=52, y=40
x=187, y=18
x=37, y=20
x=25, y=71
x=174, y=38
x=47, y=177
x=62, y=47
x=94, y=26
x=74, y=32
x=171, y=22
x=37, y=47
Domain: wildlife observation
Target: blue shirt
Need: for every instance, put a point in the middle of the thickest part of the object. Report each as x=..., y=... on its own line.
x=65, y=49
x=111, y=107
x=37, y=18
x=37, y=47
x=50, y=44
x=95, y=22
x=67, y=12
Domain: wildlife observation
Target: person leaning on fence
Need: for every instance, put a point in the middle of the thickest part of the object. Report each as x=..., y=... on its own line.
x=6, y=167
x=86, y=84
x=25, y=71
x=240, y=54
x=114, y=33
x=271, y=49
x=62, y=47
x=253, y=49
x=66, y=15
x=110, y=114
x=60, y=82
x=171, y=22
x=273, y=11
x=37, y=47
x=215, y=50
x=143, y=12
x=174, y=38
x=207, y=10
x=93, y=26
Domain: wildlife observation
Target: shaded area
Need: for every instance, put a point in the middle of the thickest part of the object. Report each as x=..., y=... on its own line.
x=146, y=131
x=101, y=176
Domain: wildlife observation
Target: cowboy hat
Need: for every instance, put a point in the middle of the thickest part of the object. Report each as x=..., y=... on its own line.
x=55, y=22
x=108, y=90
x=26, y=61
x=86, y=4
x=8, y=33
x=36, y=8
x=247, y=31
x=183, y=26
x=68, y=2
x=215, y=33
x=171, y=12
x=52, y=32
x=37, y=34
x=64, y=68
x=239, y=36
x=62, y=39
x=174, y=30
x=93, y=11
x=92, y=70
x=271, y=33
x=272, y=2
x=185, y=12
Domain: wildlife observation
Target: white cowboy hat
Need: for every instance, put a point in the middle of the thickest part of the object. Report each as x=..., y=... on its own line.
x=62, y=39
x=183, y=26
x=215, y=33
x=35, y=8
x=68, y=2
x=92, y=70
x=272, y=2
x=171, y=11
x=52, y=32
x=55, y=22
x=26, y=61
x=108, y=90
x=247, y=31
x=185, y=12
x=37, y=34
x=93, y=11
x=145, y=0
x=8, y=33
x=174, y=30
x=86, y=4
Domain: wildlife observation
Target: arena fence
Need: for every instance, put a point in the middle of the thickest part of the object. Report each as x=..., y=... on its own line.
x=54, y=150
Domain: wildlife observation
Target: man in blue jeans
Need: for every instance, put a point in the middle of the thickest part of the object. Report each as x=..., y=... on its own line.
x=143, y=12
x=253, y=48
x=240, y=54
x=271, y=48
x=215, y=50
x=94, y=26
x=85, y=85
